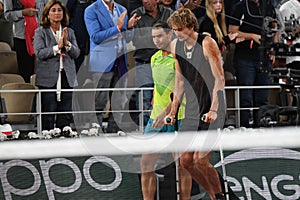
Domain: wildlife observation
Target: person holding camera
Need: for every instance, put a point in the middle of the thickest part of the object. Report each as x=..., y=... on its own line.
x=247, y=20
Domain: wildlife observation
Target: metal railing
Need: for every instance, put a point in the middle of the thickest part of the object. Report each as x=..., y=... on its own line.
x=38, y=113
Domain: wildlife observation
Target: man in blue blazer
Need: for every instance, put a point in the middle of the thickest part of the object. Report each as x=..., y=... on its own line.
x=106, y=22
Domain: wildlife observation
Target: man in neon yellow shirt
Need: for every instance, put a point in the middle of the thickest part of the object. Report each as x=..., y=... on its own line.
x=163, y=72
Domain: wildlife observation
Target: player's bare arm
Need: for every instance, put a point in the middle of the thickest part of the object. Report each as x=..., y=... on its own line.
x=213, y=55
x=178, y=88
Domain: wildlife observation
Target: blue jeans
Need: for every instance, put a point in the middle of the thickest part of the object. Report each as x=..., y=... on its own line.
x=147, y=98
x=249, y=74
x=50, y=104
x=143, y=78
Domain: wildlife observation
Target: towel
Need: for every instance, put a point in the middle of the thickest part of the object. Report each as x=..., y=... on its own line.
x=30, y=25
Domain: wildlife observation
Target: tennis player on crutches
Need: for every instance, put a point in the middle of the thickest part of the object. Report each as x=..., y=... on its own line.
x=163, y=72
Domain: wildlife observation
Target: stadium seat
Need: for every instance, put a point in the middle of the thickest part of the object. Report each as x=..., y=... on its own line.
x=17, y=102
x=32, y=79
x=8, y=62
x=9, y=78
x=4, y=46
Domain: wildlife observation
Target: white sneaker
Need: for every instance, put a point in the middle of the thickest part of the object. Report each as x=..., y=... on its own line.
x=121, y=133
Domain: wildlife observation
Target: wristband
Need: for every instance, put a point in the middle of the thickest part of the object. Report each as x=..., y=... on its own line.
x=213, y=111
x=223, y=45
x=119, y=27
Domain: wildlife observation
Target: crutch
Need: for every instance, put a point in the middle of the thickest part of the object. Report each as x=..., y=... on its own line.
x=224, y=171
x=176, y=157
x=176, y=154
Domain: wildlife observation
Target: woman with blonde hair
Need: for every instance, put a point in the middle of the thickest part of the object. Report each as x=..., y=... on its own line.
x=214, y=23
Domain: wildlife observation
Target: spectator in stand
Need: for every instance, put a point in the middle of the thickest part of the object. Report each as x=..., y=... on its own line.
x=106, y=22
x=247, y=21
x=214, y=24
x=150, y=13
x=76, y=10
x=24, y=14
x=56, y=48
x=19, y=12
x=6, y=33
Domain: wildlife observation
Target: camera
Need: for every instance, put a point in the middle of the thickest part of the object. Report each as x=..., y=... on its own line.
x=290, y=27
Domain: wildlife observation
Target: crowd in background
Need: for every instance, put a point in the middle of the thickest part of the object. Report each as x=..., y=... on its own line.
x=236, y=24
x=180, y=47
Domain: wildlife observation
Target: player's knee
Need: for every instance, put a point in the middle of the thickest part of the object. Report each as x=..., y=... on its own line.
x=186, y=164
x=147, y=166
x=202, y=164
